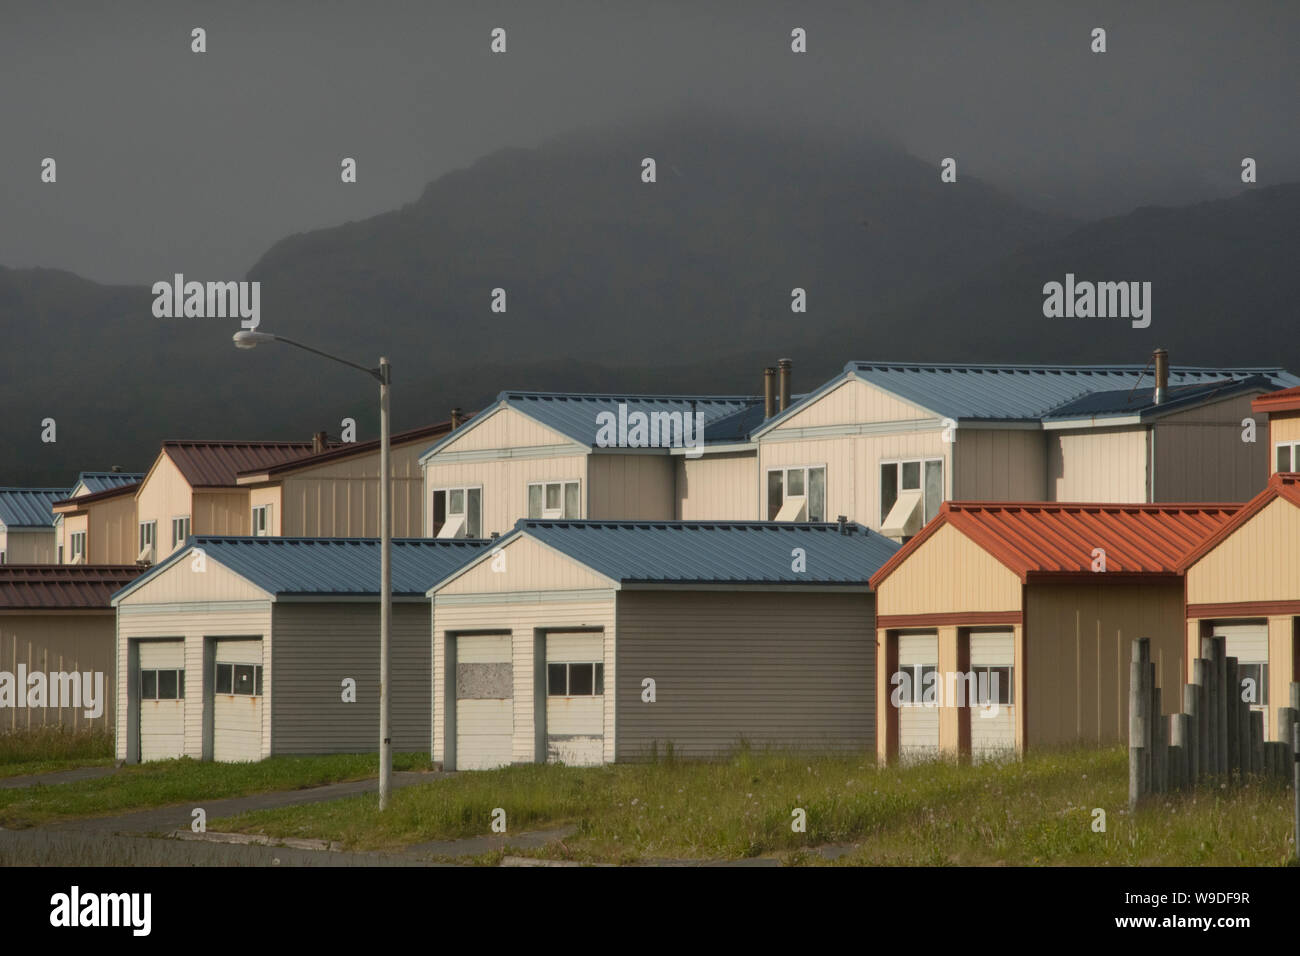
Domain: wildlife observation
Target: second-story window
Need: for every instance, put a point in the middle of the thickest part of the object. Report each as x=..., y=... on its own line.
x=180, y=529
x=77, y=546
x=910, y=494
x=457, y=513
x=796, y=494
x=148, y=538
x=1288, y=456
x=261, y=521
x=554, y=499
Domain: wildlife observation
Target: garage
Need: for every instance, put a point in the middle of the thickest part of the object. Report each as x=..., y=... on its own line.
x=918, y=713
x=485, y=722
x=993, y=728
x=575, y=698
x=1248, y=643
x=161, y=686
x=237, y=700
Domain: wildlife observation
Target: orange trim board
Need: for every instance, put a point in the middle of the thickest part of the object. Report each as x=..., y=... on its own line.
x=1243, y=609
x=949, y=618
x=1280, y=485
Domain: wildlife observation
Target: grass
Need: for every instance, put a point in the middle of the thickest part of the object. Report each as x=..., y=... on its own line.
x=49, y=749
x=1035, y=812
x=161, y=783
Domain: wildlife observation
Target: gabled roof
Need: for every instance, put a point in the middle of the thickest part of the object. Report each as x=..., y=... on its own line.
x=574, y=414
x=1285, y=485
x=72, y=505
x=343, y=451
x=1015, y=393
x=216, y=464
x=29, y=507
x=715, y=552
x=1043, y=539
x=61, y=587
x=1140, y=403
x=325, y=567
x=97, y=481
x=1284, y=400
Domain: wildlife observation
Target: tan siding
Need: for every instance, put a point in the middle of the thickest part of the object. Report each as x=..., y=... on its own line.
x=1078, y=647
x=30, y=547
x=1259, y=562
x=1282, y=427
x=851, y=403
x=528, y=566
x=216, y=512
x=317, y=646
x=504, y=483
x=341, y=499
x=717, y=487
x=505, y=428
x=999, y=465
x=58, y=642
x=1108, y=464
x=268, y=495
x=64, y=530
x=112, y=537
x=521, y=620
x=183, y=583
x=946, y=574
x=164, y=495
x=622, y=486
x=1199, y=455
x=776, y=669
x=137, y=619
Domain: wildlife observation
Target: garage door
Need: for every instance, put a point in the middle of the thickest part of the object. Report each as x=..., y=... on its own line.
x=1248, y=643
x=918, y=723
x=485, y=718
x=575, y=698
x=161, y=688
x=237, y=701
x=993, y=729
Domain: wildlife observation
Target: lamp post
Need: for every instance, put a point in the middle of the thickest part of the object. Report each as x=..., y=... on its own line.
x=247, y=339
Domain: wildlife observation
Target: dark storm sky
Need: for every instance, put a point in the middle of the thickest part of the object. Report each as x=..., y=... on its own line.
x=174, y=161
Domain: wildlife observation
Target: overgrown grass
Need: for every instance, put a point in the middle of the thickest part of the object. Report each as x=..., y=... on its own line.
x=1034, y=812
x=161, y=783
x=49, y=749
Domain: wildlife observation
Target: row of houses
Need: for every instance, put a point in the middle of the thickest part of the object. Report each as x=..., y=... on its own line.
x=568, y=597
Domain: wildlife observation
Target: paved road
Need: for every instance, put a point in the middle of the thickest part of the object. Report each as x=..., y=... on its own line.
x=57, y=777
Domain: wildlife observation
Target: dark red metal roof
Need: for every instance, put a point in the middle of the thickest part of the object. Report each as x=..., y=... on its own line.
x=1057, y=538
x=1284, y=400
x=105, y=495
x=338, y=452
x=215, y=464
x=62, y=587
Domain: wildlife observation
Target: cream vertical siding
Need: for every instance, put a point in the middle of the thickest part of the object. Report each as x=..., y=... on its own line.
x=1260, y=561
x=165, y=494
x=1282, y=427
x=113, y=537
x=29, y=546
x=949, y=573
x=774, y=669
x=721, y=487
x=631, y=487
x=850, y=403
x=272, y=495
x=1102, y=464
x=59, y=641
x=70, y=525
x=525, y=564
x=340, y=499
x=504, y=428
x=1076, y=661
x=316, y=646
x=999, y=464
x=217, y=512
x=504, y=483
x=1199, y=455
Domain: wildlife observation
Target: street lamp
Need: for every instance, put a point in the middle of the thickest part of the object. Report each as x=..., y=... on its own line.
x=248, y=339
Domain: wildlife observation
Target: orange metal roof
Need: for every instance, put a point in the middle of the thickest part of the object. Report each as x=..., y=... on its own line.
x=62, y=587
x=215, y=464
x=1054, y=538
x=1285, y=400
x=1280, y=485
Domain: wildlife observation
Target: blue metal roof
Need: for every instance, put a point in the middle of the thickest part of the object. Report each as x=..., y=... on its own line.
x=717, y=552
x=1141, y=402
x=97, y=481
x=1028, y=392
x=327, y=567
x=29, y=507
x=574, y=414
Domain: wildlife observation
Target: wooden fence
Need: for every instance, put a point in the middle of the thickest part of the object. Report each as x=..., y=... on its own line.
x=1215, y=735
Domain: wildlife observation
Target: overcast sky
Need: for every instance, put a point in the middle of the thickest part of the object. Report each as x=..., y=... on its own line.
x=171, y=161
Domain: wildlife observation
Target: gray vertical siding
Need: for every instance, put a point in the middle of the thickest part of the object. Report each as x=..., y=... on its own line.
x=778, y=669
x=316, y=646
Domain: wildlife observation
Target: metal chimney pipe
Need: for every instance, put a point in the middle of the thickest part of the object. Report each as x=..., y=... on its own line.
x=318, y=442
x=769, y=392
x=1162, y=375
x=455, y=418
x=783, y=376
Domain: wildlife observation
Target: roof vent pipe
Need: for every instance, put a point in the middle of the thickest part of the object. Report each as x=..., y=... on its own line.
x=843, y=521
x=1162, y=375
x=783, y=383
x=318, y=442
x=456, y=418
x=769, y=392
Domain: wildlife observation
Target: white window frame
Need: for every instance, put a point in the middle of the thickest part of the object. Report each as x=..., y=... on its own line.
x=553, y=514
x=265, y=512
x=898, y=463
x=152, y=527
x=448, y=513
x=184, y=520
x=257, y=679
x=1294, y=448
x=597, y=677
x=76, y=538
x=785, y=484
